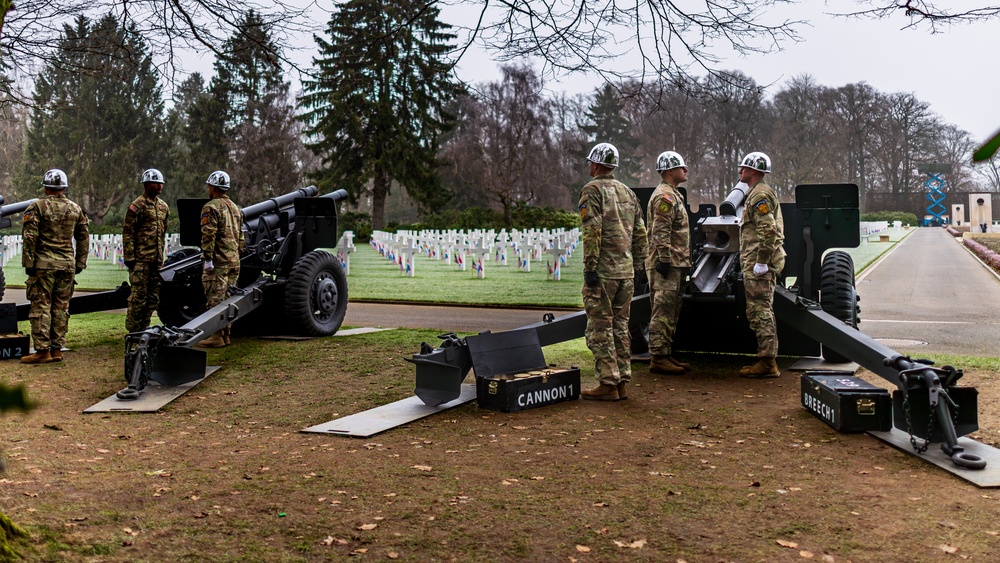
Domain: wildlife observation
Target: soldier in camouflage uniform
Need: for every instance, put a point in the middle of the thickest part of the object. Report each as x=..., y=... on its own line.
x=143, y=238
x=614, y=247
x=221, y=242
x=51, y=224
x=762, y=234
x=668, y=262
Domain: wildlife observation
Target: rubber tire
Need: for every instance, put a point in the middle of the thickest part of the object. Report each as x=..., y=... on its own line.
x=316, y=294
x=838, y=295
x=3, y=283
x=179, y=305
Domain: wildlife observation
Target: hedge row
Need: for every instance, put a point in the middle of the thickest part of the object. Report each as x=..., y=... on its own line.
x=890, y=216
x=990, y=257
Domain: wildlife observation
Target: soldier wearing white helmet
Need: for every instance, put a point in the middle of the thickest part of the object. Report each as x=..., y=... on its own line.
x=143, y=240
x=221, y=242
x=50, y=226
x=668, y=261
x=614, y=248
x=762, y=234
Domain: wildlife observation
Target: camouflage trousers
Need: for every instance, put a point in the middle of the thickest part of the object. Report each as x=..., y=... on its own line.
x=665, y=298
x=216, y=283
x=49, y=292
x=607, y=306
x=760, y=312
x=145, y=297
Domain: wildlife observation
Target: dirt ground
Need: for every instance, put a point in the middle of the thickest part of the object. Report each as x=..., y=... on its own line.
x=700, y=467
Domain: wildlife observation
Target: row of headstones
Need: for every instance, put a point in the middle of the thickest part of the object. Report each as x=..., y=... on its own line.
x=108, y=248
x=476, y=247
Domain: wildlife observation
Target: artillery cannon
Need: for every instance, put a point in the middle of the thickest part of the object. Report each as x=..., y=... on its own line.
x=818, y=314
x=6, y=211
x=287, y=285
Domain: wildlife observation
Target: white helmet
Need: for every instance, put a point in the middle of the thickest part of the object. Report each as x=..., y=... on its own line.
x=668, y=161
x=757, y=161
x=605, y=154
x=219, y=179
x=152, y=175
x=55, y=179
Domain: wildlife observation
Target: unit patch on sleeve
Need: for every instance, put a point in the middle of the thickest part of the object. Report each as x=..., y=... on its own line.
x=204, y=218
x=583, y=211
x=665, y=204
x=762, y=207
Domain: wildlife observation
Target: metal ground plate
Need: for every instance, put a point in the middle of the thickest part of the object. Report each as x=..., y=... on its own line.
x=988, y=478
x=815, y=363
x=372, y=421
x=153, y=397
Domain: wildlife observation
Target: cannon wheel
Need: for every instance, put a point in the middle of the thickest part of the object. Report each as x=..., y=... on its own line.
x=838, y=296
x=3, y=283
x=316, y=294
x=178, y=305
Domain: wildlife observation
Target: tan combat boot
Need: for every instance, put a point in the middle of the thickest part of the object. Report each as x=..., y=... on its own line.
x=225, y=334
x=679, y=363
x=663, y=366
x=622, y=393
x=39, y=357
x=765, y=367
x=56, y=354
x=602, y=392
x=214, y=341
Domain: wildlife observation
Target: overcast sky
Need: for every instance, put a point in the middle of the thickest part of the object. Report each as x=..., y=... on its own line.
x=953, y=70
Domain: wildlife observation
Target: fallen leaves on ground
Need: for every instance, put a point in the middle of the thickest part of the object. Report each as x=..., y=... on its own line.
x=637, y=544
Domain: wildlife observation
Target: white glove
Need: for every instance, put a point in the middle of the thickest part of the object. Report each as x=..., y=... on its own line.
x=759, y=269
x=209, y=267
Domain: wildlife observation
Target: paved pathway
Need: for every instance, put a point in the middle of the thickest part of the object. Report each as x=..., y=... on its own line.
x=930, y=289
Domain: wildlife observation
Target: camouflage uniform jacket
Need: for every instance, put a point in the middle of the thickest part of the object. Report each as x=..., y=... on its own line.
x=145, y=230
x=669, y=232
x=50, y=225
x=762, y=230
x=614, y=235
x=221, y=232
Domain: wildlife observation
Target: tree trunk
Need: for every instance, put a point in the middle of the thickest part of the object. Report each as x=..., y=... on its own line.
x=380, y=189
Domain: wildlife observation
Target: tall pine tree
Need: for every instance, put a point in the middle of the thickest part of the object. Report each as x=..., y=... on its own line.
x=608, y=124
x=102, y=127
x=376, y=108
x=244, y=122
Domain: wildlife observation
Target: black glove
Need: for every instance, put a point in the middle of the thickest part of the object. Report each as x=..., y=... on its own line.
x=29, y=271
x=128, y=264
x=640, y=278
x=591, y=279
x=78, y=269
x=662, y=268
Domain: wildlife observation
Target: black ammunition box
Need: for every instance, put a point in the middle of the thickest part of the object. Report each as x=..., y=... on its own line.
x=511, y=374
x=845, y=402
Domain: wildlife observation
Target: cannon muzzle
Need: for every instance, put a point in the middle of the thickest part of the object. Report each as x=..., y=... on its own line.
x=337, y=195
x=733, y=205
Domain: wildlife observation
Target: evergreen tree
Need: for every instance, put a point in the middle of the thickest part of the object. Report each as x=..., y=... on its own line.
x=607, y=123
x=376, y=108
x=103, y=127
x=245, y=123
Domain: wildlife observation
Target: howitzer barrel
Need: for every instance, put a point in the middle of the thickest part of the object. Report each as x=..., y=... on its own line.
x=337, y=195
x=734, y=201
x=276, y=203
x=14, y=208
